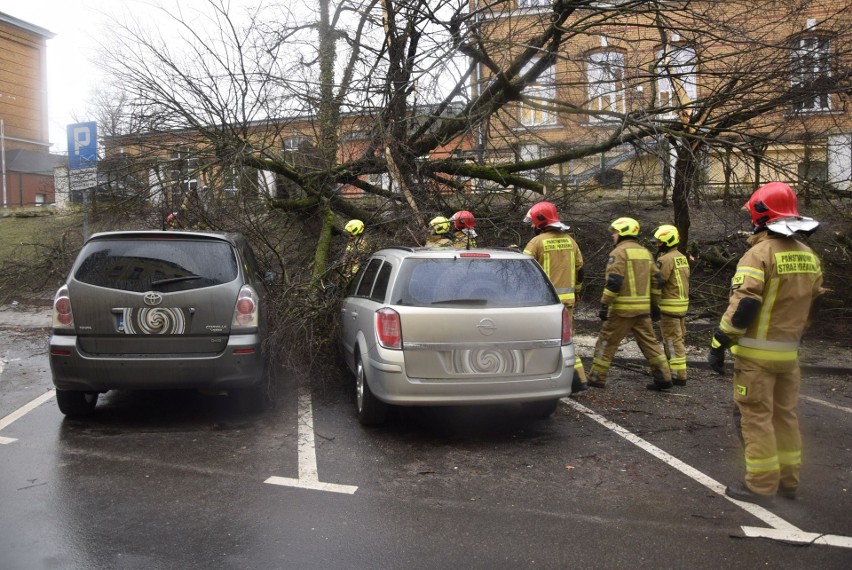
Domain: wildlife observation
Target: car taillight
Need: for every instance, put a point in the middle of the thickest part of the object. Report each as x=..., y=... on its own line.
x=63, y=318
x=388, y=328
x=246, y=309
x=566, y=327
x=469, y=254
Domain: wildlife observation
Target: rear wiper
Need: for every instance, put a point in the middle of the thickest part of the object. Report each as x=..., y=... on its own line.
x=461, y=302
x=175, y=280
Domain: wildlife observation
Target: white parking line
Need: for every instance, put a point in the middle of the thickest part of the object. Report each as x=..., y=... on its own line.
x=780, y=529
x=308, y=474
x=827, y=404
x=21, y=412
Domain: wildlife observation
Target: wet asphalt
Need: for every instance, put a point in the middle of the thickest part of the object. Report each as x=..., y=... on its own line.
x=179, y=479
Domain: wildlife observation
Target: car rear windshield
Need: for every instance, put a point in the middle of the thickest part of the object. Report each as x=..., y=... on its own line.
x=141, y=265
x=466, y=282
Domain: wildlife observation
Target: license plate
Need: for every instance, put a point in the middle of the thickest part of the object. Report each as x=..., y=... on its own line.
x=152, y=321
x=488, y=361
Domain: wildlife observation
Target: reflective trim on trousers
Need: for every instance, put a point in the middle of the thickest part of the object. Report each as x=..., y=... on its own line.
x=658, y=360
x=789, y=458
x=763, y=464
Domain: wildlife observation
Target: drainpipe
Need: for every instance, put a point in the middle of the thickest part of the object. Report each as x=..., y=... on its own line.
x=3, y=159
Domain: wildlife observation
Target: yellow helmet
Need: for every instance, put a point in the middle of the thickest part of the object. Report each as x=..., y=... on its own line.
x=354, y=227
x=667, y=235
x=625, y=227
x=440, y=225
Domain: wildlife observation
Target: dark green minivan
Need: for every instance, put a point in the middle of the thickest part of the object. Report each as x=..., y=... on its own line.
x=159, y=310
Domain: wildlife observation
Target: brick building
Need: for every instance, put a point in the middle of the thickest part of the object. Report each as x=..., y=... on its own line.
x=626, y=66
x=27, y=165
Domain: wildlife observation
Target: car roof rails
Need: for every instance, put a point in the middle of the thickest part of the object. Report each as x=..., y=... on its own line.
x=403, y=247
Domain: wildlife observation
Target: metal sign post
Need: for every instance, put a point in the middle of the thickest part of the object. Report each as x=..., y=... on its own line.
x=83, y=159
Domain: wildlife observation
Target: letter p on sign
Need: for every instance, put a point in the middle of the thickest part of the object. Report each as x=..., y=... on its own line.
x=82, y=145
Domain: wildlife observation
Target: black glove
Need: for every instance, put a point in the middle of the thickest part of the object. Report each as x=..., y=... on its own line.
x=655, y=313
x=716, y=355
x=604, y=313
x=716, y=360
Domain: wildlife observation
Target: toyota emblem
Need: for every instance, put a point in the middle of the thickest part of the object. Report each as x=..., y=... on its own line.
x=486, y=327
x=152, y=299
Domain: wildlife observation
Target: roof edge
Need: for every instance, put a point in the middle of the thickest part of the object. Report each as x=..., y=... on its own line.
x=17, y=22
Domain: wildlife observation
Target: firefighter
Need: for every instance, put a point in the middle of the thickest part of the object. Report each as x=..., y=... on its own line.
x=356, y=247
x=440, y=236
x=630, y=298
x=772, y=291
x=560, y=257
x=172, y=221
x=674, y=300
x=465, y=236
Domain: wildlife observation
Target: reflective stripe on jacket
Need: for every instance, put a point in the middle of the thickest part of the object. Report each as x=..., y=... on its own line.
x=674, y=274
x=560, y=257
x=784, y=276
x=636, y=266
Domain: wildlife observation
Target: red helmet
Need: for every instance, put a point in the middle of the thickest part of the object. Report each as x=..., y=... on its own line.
x=772, y=202
x=463, y=220
x=541, y=215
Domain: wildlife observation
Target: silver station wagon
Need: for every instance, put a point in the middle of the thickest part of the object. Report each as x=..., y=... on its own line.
x=159, y=310
x=446, y=327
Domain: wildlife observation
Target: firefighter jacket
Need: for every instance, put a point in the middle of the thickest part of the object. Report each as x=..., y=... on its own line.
x=771, y=295
x=674, y=275
x=462, y=240
x=440, y=241
x=632, y=280
x=560, y=257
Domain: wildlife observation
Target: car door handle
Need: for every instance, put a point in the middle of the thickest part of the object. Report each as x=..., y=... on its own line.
x=354, y=314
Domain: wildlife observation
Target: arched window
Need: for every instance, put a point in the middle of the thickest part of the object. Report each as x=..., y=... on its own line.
x=605, y=76
x=676, y=79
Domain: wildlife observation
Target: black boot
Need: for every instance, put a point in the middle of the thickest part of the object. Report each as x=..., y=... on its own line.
x=660, y=382
x=742, y=493
x=578, y=385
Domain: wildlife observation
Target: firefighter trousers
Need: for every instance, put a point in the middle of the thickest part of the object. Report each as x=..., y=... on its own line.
x=613, y=330
x=579, y=372
x=766, y=393
x=673, y=331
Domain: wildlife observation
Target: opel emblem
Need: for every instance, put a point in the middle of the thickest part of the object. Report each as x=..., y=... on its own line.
x=486, y=327
x=152, y=299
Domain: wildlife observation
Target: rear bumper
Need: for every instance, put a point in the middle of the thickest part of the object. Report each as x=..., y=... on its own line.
x=77, y=370
x=387, y=378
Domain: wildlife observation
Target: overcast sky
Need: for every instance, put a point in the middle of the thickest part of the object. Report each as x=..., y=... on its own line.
x=70, y=74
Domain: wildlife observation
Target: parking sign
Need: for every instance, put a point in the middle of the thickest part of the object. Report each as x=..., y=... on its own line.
x=82, y=145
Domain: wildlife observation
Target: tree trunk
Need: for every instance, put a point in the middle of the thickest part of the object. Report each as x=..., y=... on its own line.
x=684, y=179
x=323, y=246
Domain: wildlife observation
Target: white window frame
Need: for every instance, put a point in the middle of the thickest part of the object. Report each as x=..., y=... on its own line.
x=606, y=88
x=543, y=92
x=810, y=59
x=682, y=65
x=293, y=144
x=534, y=3
x=383, y=181
x=533, y=151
